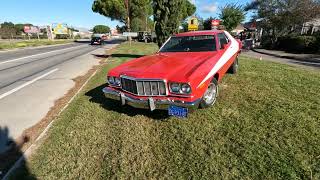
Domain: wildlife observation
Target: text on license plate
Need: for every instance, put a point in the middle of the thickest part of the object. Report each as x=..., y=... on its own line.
x=178, y=111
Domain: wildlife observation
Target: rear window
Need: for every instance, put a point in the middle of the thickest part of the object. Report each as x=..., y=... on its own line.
x=190, y=44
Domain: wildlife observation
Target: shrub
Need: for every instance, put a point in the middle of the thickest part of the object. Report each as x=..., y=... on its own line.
x=266, y=42
x=300, y=44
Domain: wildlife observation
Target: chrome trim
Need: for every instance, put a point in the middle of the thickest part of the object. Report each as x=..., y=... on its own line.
x=143, y=80
x=144, y=103
x=144, y=88
x=164, y=44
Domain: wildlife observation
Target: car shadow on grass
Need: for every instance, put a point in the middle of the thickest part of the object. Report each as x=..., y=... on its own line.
x=127, y=55
x=101, y=56
x=104, y=56
x=10, y=154
x=96, y=95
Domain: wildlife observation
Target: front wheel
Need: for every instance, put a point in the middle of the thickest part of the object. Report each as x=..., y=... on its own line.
x=211, y=94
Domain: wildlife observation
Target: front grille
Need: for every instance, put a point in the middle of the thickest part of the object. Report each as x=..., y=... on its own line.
x=144, y=87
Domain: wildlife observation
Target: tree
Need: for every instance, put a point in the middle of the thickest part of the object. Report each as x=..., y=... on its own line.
x=168, y=15
x=231, y=16
x=20, y=28
x=117, y=10
x=184, y=26
x=279, y=17
x=7, y=30
x=121, y=29
x=207, y=23
x=101, y=29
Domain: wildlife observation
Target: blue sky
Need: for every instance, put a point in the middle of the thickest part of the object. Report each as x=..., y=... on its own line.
x=78, y=13
x=207, y=8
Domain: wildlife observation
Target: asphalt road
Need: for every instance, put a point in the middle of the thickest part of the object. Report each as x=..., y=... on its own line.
x=32, y=79
x=299, y=63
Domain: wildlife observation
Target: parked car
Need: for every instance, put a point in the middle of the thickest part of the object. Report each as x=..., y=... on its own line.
x=97, y=41
x=144, y=36
x=184, y=74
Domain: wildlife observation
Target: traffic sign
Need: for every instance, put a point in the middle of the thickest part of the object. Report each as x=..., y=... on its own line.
x=193, y=24
x=215, y=22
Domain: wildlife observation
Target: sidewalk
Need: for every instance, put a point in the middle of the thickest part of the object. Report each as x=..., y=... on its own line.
x=282, y=54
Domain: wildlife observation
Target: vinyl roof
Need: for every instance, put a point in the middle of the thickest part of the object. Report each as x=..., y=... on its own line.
x=197, y=33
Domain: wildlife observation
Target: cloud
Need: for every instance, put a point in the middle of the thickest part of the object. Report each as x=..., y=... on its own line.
x=192, y=1
x=209, y=8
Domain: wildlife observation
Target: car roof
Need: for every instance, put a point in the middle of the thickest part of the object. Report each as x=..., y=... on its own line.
x=198, y=33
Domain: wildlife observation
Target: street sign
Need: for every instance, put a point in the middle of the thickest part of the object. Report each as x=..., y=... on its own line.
x=130, y=34
x=193, y=24
x=215, y=23
x=31, y=29
x=60, y=28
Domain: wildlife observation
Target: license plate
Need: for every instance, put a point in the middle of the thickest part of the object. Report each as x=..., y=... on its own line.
x=178, y=111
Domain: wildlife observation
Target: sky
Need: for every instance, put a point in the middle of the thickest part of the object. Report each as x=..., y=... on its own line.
x=78, y=13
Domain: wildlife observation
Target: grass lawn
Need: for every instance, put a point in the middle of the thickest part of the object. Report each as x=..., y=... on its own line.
x=30, y=43
x=265, y=125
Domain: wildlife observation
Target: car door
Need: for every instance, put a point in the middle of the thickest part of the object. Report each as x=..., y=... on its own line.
x=224, y=44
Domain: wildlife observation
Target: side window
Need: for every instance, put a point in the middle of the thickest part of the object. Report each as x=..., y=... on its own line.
x=222, y=40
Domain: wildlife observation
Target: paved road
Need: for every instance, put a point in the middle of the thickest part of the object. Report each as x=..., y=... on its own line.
x=306, y=64
x=32, y=79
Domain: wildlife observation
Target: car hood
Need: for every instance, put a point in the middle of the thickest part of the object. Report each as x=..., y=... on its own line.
x=164, y=65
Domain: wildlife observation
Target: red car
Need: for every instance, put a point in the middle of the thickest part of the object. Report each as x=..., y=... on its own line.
x=184, y=74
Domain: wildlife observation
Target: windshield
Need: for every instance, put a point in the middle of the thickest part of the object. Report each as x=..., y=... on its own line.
x=190, y=44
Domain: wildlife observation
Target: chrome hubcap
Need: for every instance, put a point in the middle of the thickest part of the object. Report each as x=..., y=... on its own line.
x=211, y=93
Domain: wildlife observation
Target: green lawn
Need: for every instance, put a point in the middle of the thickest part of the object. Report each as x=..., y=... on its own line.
x=30, y=43
x=265, y=125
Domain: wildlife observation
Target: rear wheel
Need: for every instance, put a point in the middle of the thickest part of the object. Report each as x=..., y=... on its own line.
x=211, y=94
x=234, y=67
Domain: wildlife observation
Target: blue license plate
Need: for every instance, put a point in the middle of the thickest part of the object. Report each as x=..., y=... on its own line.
x=178, y=111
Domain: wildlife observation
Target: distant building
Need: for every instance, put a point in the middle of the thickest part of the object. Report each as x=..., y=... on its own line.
x=238, y=29
x=114, y=32
x=311, y=26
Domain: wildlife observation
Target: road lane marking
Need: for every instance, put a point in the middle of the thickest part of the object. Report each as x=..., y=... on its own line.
x=27, y=83
x=12, y=60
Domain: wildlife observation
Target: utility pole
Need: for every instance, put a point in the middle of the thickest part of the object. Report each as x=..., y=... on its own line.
x=128, y=20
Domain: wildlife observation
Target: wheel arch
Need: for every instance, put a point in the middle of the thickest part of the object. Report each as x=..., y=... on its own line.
x=216, y=76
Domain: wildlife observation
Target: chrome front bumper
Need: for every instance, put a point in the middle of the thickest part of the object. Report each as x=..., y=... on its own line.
x=149, y=103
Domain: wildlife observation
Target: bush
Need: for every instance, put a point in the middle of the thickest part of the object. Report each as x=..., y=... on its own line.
x=266, y=42
x=300, y=44
x=317, y=43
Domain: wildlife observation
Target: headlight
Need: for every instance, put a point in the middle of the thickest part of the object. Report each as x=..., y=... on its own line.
x=110, y=80
x=180, y=88
x=185, y=88
x=114, y=81
x=175, y=87
x=117, y=81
